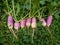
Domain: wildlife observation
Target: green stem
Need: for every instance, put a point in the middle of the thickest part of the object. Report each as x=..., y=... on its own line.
x=18, y=9
x=7, y=5
x=50, y=35
x=11, y=30
x=24, y=17
x=38, y=10
x=30, y=9
x=14, y=10
x=54, y=12
x=33, y=36
x=9, y=13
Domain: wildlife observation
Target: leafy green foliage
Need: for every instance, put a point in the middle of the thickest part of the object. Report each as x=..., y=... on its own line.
x=24, y=9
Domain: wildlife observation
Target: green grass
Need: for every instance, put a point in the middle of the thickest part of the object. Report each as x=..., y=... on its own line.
x=23, y=7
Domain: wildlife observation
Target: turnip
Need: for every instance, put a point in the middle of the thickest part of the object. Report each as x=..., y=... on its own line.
x=23, y=23
x=16, y=25
x=33, y=25
x=49, y=20
x=43, y=22
x=28, y=22
x=10, y=25
x=10, y=22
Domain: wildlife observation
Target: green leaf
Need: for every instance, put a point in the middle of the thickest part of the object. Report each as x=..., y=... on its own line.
x=57, y=15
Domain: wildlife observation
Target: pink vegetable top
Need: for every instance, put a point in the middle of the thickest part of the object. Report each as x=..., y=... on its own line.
x=28, y=22
x=23, y=23
x=33, y=24
x=43, y=21
x=16, y=25
x=49, y=20
x=10, y=22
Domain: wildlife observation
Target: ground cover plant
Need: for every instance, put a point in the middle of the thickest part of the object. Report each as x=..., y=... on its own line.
x=29, y=22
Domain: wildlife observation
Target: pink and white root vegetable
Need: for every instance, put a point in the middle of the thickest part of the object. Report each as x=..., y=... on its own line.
x=10, y=25
x=22, y=23
x=10, y=22
x=28, y=22
x=16, y=25
x=43, y=22
x=49, y=20
x=33, y=24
